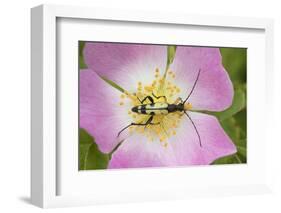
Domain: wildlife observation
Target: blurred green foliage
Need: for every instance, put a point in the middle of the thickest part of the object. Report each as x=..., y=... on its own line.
x=82, y=64
x=90, y=157
x=233, y=120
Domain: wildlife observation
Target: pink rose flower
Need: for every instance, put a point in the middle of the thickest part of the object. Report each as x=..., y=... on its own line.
x=170, y=139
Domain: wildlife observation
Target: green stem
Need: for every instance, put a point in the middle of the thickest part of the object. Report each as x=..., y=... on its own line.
x=171, y=51
x=237, y=158
x=113, y=84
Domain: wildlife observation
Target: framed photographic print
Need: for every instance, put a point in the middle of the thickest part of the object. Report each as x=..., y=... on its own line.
x=148, y=106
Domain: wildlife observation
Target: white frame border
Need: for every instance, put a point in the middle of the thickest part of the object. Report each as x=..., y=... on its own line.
x=43, y=91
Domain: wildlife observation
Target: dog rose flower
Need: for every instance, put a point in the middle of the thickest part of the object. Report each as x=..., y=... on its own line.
x=170, y=139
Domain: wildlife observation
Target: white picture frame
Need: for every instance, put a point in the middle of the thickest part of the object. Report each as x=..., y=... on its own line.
x=46, y=161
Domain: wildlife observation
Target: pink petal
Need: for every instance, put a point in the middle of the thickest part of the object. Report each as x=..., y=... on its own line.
x=138, y=152
x=182, y=150
x=100, y=112
x=125, y=64
x=214, y=90
x=215, y=142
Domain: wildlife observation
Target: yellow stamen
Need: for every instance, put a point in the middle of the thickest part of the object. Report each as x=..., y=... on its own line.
x=148, y=88
x=162, y=139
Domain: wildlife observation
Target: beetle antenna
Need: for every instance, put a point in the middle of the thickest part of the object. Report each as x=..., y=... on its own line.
x=126, y=127
x=193, y=86
x=194, y=128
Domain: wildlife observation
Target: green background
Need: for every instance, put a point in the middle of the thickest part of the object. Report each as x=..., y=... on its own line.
x=233, y=120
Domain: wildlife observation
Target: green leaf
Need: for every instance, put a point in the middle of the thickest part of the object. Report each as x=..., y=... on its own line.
x=234, y=60
x=234, y=131
x=90, y=157
x=95, y=159
x=82, y=64
x=242, y=154
x=241, y=143
x=230, y=127
x=241, y=120
x=85, y=141
x=239, y=103
x=232, y=159
x=83, y=150
x=84, y=137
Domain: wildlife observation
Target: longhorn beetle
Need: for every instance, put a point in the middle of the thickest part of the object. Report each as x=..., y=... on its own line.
x=162, y=108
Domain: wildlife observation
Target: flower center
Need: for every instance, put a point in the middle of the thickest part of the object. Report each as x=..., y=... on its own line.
x=162, y=90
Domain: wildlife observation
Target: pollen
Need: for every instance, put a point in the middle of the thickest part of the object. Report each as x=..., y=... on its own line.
x=121, y=103
x=122, y=96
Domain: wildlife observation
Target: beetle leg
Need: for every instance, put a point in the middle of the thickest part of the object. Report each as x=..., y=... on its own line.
x=148, y=122
x=157, y=97
x=147, y=97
